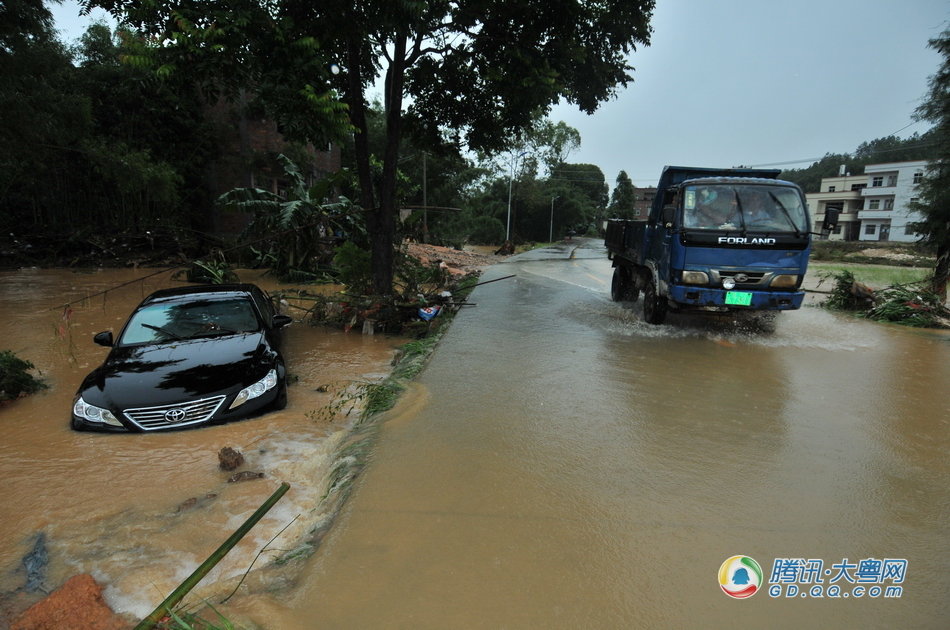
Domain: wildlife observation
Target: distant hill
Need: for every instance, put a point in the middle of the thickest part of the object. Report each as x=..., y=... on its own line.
x=882, y=150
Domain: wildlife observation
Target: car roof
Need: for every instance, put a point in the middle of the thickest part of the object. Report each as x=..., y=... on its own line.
x=205, y=290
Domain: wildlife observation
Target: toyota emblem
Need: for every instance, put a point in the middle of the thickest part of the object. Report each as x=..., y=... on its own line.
x=174, y=415
x=741, y=277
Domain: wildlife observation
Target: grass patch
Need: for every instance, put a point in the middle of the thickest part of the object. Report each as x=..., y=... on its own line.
x=873, y=253
x=873, y=275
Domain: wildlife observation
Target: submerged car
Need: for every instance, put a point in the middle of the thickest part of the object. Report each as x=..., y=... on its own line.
x=187, y=357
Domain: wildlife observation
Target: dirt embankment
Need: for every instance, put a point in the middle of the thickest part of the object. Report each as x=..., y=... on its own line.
x=456, y=261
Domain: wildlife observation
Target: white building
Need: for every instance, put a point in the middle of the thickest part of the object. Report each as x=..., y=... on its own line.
x=873, y=206
x=891, y=187
x=842, y=193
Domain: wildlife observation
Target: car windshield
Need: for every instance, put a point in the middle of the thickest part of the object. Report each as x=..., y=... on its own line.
x=754, y=208
x=171, y=321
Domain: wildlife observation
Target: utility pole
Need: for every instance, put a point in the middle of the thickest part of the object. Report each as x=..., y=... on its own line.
x=425, y=203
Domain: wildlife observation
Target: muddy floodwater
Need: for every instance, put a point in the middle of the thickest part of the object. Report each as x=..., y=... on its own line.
x=562, y=464
x=141, y=511
x=559, y=463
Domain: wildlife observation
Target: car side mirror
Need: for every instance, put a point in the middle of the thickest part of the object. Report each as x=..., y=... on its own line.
x=831, y=220
x=104, y=338
x=667, y=216
x=280, y=321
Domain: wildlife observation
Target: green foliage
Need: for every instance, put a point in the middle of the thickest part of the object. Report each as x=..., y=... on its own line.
x=185, y=619
x=842, y=298
x=486, y=231
x=907, y=304
x=622, y=198
x=934, y=191
x=214, y=271
x=15, y=377
x=887, y=149
x=910, y=305
x=352, y=264
x=294, y=234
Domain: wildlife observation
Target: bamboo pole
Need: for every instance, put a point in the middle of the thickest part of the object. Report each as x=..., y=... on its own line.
x=179, y=593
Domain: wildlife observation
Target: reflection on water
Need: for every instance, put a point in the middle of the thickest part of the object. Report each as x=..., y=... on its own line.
x=141, y=511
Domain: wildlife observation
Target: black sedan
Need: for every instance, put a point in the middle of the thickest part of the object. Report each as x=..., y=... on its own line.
x=187, y=357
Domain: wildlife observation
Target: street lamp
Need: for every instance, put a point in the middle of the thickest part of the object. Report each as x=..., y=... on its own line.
x=551, y=233
x=510, y=178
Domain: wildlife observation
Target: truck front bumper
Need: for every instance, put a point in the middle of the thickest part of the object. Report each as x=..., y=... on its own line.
x=686, y=296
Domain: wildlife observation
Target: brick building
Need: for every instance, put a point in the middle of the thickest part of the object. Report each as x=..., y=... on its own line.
x=249, y=147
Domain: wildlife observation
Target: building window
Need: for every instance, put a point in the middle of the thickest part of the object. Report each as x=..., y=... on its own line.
x=831, y=188
x=837, y=229
x=870, y=229
x=892, y=180
x=877, y=181
x=888, y=204
x=918, y=177
x=858, y=186
x=874, y=204
x=909, y=231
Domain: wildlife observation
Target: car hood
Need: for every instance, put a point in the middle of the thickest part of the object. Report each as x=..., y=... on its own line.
x=141, y=376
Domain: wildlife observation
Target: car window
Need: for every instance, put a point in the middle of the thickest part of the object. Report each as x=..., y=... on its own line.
x=156, y=323
x=265, y=304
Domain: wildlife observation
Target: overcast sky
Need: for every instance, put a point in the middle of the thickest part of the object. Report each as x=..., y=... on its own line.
x=755, y=82
x=751, y=82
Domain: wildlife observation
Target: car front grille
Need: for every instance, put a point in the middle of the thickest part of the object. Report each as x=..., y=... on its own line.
x=174, y=416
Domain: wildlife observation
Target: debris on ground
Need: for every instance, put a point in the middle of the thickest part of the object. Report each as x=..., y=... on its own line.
x=76, y=604
x=229, y=459
x=455, y=261
x=246, y=475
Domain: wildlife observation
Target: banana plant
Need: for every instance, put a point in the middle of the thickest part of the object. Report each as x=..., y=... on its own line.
x=296, y=233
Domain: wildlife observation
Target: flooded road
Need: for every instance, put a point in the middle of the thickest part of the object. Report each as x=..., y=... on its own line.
x=561, y=464
x=141, y=511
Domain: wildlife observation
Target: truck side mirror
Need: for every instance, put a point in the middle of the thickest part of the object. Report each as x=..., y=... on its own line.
x=667, y=216
x=831, y=220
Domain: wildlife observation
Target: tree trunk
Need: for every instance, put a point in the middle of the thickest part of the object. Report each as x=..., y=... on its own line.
x=941, y=272
x=383, y=232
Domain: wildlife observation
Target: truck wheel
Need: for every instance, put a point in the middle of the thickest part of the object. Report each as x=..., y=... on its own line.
x=618, y=285
x=622, y=286
x=654, y=305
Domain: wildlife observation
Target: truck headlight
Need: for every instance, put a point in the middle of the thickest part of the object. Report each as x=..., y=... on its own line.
x=784, y=281
x=256, y=389
x=695, y=277
x=82, y=409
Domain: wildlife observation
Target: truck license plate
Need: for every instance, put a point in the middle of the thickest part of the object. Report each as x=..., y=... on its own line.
x=738, y=298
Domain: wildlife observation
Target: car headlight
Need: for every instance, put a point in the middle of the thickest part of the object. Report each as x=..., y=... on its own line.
x=695, y=277
x=82, y=409
x=255, y=389
x=784, y=281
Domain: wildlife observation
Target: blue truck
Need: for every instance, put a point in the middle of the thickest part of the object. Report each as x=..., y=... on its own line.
x=716, y=240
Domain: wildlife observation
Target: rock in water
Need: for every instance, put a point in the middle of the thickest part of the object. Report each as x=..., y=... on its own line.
x=229, y=459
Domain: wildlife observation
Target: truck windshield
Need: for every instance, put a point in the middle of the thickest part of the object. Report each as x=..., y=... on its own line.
x=746, y=207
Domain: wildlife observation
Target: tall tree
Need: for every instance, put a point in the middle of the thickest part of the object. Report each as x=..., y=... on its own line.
x=481, y=68
x=934, y=190
x=622, y=197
